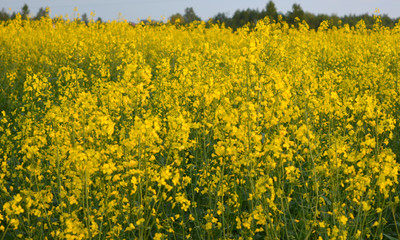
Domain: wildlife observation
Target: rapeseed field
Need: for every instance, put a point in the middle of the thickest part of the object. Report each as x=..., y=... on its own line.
x=109, y=131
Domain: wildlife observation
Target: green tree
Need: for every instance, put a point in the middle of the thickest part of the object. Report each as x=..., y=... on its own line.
x=190, y=15
x=271, y=11
x=221, y=18
x=25, y=11
x=4, y=16
x=175, y=18
x=243, y=17
x=297, y=12
x=387, y=21
x=315, y=21
x=84, y=18
x=43, y=12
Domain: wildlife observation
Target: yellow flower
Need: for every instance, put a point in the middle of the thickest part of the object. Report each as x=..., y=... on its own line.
x=159, y=236
x=140, y=221
x=365, y=206
x=131, y=227
x=105, y=123
x=208, y=226
x=343, y=219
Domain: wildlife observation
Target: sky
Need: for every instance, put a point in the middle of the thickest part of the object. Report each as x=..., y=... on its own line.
x=132, y=10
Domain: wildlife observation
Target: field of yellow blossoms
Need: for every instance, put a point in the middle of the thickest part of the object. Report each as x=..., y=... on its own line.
x=109, y=131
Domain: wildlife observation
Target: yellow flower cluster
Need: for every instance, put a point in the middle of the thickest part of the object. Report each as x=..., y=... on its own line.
x=178, y=132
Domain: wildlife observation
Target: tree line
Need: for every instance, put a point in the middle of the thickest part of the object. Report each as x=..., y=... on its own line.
x=43, y=12
x=244, y=17
x=25, y=13
x=250, y=17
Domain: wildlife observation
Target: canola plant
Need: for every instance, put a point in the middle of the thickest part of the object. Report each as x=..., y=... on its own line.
x=109, y=131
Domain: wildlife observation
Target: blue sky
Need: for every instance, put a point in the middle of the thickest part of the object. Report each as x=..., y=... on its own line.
x=156, y=9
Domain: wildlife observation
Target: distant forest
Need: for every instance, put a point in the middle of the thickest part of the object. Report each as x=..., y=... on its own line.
x=297, y=14
x=241, y=18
